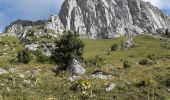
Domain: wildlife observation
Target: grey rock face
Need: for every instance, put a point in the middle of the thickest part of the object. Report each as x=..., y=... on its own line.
x=55, y=24
x=102, y=19
x=111, y=18
x=32, y=47
x=20, y=26
x=76, y=68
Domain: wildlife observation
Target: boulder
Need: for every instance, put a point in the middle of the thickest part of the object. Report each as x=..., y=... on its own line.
x=129, y=43
x=110, y=87
x=32, y=47
x=3, y=71
x=77, y=68
x=99, y=74
x=73, y=78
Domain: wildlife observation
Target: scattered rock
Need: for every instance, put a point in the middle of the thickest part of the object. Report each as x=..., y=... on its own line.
x=21, y=75
x=169, y=90
x=99, y=74
x=73, y=78
x=3, y=71
x=32, y=47
x=27, y=83
x=76, y=68
x=35, y=71
x=12, y=70
x=129, y=43
x=110, y=87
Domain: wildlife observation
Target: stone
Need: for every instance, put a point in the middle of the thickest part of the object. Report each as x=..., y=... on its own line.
x=27, y=83
x=32, y=47
x=99, y=74
x=110, y=87
x=35, y=71
x=12, y=70
x=3, y=71
x=22, y=75
x=55, y=24
x=169, y=90
x=73, y=78
x=129, y=43
x=77, y=68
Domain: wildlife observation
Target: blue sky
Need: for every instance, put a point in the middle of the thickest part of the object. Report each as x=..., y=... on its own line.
x=10, y=10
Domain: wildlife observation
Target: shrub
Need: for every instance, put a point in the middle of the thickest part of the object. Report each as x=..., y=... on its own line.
x=168, y=82
x=144, y=62
x=114, y=47
x=126, y=64
x=142, y=84
x=24, y=56
x=40, y=57
x=167, y=33
x=69, y=47
x=2, y=43
x=1, y=53
x=153, y=56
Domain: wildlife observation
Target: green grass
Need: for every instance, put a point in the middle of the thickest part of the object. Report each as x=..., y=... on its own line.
x=51, y=86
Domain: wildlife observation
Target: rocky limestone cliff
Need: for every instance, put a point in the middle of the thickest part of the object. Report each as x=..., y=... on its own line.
x=112, y=18
x=105, y=18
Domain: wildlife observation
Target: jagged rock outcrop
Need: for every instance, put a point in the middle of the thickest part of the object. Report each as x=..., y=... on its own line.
x=105, y=18
x=112, y=18
x=54, y=23
x=19, y=26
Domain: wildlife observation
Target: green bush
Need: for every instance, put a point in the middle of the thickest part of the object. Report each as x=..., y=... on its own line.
x=40, y=57
x=126, y=64
x=114, y=47
x=24, y=56
x=2, y=43
x=167, y=33
x=153, y=57
x=168, y=82
x=144, y=62
x=69, y=47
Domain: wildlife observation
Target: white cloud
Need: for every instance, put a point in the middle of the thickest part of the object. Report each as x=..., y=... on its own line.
x=162, y=4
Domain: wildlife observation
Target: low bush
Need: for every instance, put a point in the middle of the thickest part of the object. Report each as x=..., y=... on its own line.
x=168, y=82
x=114, y=47
x=127, y=64
x=24, y=56
x=144, y=62
x=2, y=43
x=167, y=33
x=40, y=57
x=153, y=56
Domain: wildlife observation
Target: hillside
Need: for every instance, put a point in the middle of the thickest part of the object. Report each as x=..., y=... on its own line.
x=37, y=81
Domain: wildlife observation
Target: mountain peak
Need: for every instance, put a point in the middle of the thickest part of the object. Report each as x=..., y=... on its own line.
x=109, y=18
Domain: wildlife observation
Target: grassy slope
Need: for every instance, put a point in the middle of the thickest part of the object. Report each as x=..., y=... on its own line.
x=57, y=87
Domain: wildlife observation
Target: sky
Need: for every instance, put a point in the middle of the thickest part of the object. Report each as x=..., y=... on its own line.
x=11, y=10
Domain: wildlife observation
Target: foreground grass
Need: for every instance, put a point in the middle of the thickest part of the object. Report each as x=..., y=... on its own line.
x=49, y=85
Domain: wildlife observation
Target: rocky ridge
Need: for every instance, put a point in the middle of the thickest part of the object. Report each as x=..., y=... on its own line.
x=103, y=19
